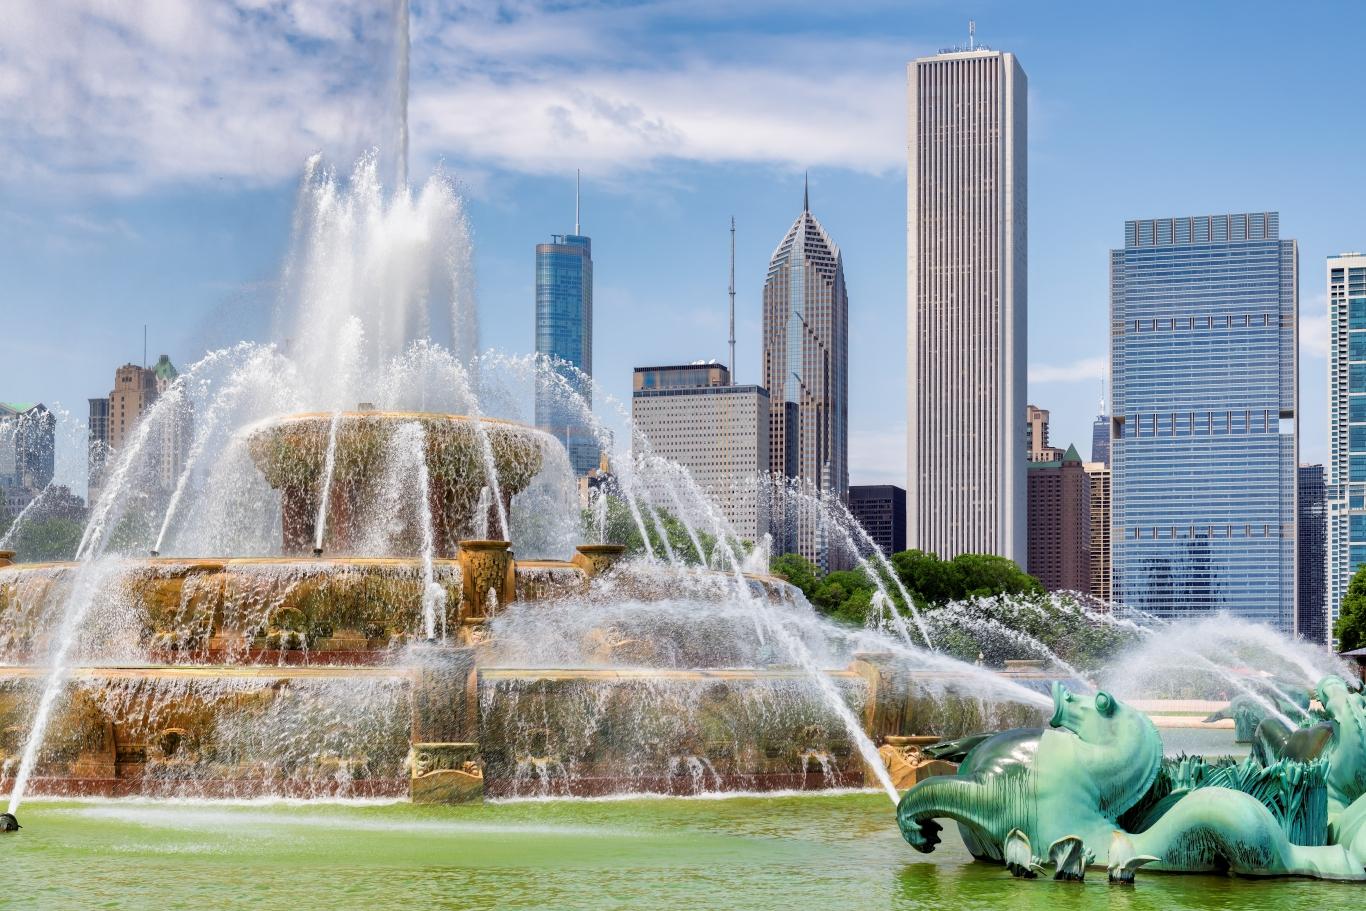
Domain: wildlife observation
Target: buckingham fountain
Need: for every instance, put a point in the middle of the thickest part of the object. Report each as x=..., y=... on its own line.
x=344, y=565
x=365, y=575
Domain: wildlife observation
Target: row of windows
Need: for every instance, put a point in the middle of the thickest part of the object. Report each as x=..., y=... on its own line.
x=1227, y=321
x=1154, y=532
x=1202, y=229
x=1181, y=423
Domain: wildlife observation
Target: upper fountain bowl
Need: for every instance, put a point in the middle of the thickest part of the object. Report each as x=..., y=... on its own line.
x=378, y=460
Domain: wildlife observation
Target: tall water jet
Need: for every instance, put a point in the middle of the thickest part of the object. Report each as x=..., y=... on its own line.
x=402, y=54
x=325, y=493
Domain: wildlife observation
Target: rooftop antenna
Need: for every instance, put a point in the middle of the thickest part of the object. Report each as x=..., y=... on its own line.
x=806, y=191
x=732, y=299
x=576, y=200
x=972, y=35
x=144, y=346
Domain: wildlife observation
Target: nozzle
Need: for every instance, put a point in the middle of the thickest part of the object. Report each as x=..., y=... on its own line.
x=8, y=823
x=317, y=551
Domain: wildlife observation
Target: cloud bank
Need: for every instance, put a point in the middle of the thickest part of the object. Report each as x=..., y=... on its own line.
x=123, y=98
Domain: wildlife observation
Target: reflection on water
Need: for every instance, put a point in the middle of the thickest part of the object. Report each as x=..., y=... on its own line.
x=760, y=853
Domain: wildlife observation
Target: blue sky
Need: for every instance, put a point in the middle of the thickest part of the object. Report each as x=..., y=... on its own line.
x=152, y=155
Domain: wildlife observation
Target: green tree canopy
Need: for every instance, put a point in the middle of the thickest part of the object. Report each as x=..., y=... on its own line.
x=1351, y=626
x=621, y=527
x=1001, y=627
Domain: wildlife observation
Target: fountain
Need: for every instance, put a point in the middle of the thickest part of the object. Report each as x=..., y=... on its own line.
x=368, y=578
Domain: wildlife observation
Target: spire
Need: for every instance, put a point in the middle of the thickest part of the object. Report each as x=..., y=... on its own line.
x=732, y=299
x=806, y=192
x=576, y=200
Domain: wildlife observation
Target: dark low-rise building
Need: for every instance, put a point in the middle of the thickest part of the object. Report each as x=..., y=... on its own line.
x=1311, y=540
x=881, y=510
x=1060, y=523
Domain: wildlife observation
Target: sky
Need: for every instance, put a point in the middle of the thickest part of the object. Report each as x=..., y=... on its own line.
x=153, y=151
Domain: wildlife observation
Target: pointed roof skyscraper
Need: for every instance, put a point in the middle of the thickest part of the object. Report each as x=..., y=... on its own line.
x=806, y=371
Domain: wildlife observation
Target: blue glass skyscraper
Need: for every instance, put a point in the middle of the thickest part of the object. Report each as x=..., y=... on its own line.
x=564, y=335
x=1203, y=417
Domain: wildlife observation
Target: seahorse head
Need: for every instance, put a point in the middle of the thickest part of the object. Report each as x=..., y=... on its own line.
x=1118, y=748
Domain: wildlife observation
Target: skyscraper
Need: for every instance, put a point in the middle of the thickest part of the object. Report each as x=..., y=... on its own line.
x=1203, y=449
x=966, y=305
x=1346, y=276
x=1311, y=539
x=806, y=371
x=564, y=335
x=693, y=415
x=1100, y=435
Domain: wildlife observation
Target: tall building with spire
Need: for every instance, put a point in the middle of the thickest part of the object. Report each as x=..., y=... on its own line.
x=966, y=304
x=564, y=336
x=806, y=371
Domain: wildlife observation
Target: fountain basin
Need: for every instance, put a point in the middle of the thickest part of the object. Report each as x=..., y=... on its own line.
x=291, y=452
x=333, y=610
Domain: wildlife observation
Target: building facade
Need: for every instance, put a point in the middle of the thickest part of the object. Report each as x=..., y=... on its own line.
x=966, y=308
x=881, y=510
x=1098, y=473
x=1036, y=436
x=1311, y=542
x=1203, y=419
x=28, y=434
x=1060, y=523
x=719, y=432
x=1100, y=437
x=114, y=420
x=97, y=447
x=1346, y=281
x=806, y=371
x=564, y=337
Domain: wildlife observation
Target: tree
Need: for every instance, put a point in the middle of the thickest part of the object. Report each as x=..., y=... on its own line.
x=46, y=539
x=620, y=527
x=1008, y=606
x=1351, y=626
x=798, y=570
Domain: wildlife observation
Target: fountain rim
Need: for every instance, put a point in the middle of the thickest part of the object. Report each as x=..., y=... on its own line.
x=397, y=416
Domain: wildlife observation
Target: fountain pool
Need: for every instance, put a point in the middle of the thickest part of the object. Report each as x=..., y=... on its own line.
x=833, y=851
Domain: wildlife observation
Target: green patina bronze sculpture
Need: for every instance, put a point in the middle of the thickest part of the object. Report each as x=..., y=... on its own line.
x=1094, y=788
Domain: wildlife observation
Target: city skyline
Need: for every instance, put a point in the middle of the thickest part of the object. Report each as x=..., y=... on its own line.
x=197, y=258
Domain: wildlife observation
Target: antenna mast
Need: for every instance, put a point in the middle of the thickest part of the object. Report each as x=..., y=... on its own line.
x=576, y=200
x=972, y=35
x=732, y=299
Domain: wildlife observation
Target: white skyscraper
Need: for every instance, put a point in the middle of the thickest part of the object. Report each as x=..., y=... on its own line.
x=966, y=306
x=1346, y=275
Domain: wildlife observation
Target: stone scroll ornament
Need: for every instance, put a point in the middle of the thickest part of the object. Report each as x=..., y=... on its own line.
x=1094, y=789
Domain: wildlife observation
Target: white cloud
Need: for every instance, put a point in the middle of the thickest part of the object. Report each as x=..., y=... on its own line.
x=1314, y=329
x=123, y=97
x=1314, y=336
x=878, y=456
x=1088, y=368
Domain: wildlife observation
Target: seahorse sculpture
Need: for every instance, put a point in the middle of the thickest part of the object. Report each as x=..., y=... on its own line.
x=1035, y=796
